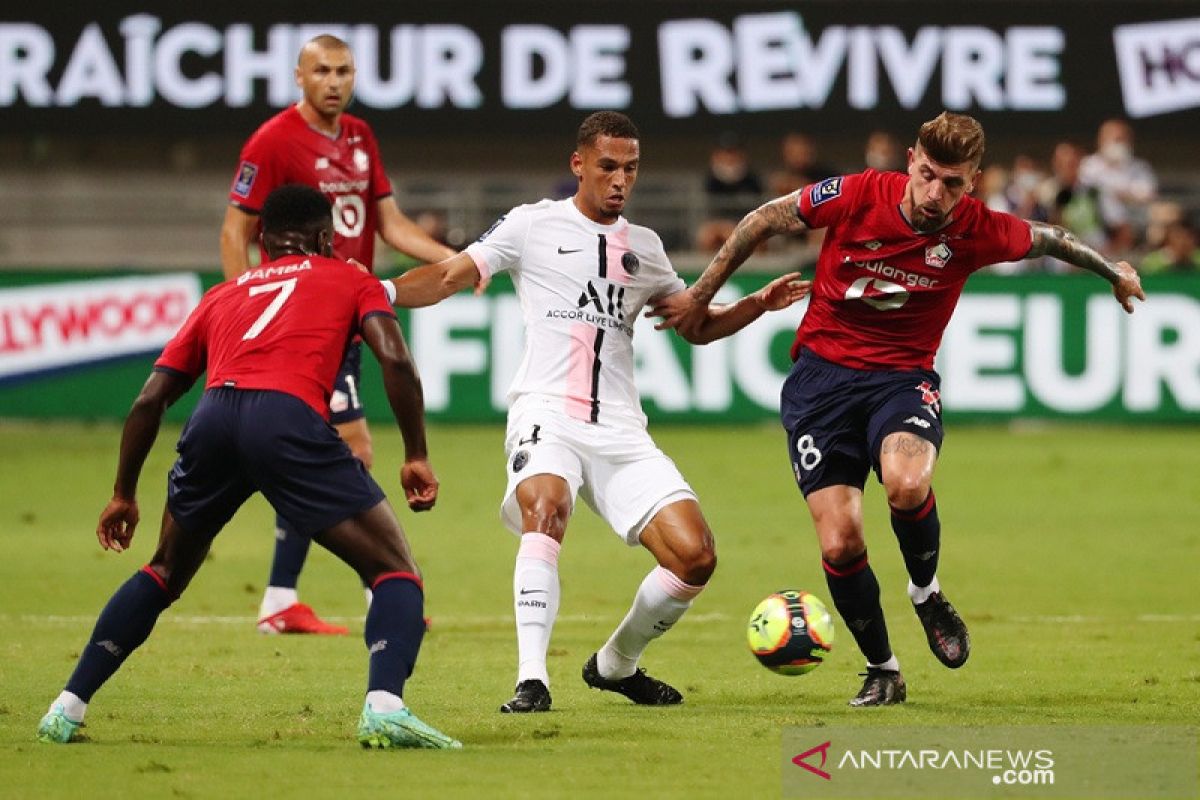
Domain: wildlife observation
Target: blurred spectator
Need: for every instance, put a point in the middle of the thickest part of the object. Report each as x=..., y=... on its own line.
x=989, y=189
x=1179, y=252
x=731, y=189
x=1015, y=192
x=800, y=165
x=1071, y=203
x=1160, y=215
x=883, y=152
x=1126, y=184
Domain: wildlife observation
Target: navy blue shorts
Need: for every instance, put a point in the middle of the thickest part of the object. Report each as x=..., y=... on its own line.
x=345, y=404
x=238, y=442
x=837, y=417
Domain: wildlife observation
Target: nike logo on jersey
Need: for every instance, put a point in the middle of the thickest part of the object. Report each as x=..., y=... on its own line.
x=533, y=591
x=563, y=252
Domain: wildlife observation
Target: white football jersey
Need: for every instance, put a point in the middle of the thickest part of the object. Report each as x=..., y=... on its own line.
x=582, y=286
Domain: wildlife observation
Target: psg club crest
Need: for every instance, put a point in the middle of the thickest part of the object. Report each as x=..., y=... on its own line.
x=630, y=263
x=937, y=255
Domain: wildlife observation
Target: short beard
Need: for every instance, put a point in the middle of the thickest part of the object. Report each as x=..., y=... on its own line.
x=927, y=224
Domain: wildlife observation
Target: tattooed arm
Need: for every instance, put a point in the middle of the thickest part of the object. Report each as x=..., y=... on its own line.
x=687, y=310
x=1052, y=240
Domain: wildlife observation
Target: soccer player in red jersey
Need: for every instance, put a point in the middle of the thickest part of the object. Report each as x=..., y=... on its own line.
x=317, y=144
x=271, y=342
x=862, y=393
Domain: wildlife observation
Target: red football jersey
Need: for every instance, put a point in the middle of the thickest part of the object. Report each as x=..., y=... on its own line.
x=282, y=326
x=347, y=169
x=884, y=292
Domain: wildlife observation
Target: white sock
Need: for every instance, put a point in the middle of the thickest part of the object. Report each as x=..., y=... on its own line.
x=384, y=702
x=659, y=603
x=891, y=665
x=73, y=707
x=535, y=601
x=276, y=599
x=919, y=594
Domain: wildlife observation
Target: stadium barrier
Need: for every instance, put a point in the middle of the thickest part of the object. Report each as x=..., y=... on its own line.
x=77, y=346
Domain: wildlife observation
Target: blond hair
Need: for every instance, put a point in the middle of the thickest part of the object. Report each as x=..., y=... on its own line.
x=952, y=138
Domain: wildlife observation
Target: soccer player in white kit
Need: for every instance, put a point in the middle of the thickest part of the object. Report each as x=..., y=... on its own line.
x=575, y=425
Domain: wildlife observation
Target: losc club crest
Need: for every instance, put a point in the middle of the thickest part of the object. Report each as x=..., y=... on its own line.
x=630, y=263
x=937, y=255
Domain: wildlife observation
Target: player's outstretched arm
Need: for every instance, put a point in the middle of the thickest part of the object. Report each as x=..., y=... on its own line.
x=236, y=233
x=1052, y=240
x=403, y=386
x=432, y=283
x=726, y=320
x=687, y=313
x=120, y=517
x=399, y=231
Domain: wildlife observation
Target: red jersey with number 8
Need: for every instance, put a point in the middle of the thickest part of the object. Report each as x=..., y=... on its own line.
x=283, y=326
x=884, y=292
x=345, y=168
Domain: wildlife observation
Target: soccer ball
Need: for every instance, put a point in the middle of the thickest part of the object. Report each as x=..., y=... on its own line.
x=790, y=632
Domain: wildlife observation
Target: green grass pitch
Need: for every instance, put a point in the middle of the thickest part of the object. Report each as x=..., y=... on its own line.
x=1071, y=552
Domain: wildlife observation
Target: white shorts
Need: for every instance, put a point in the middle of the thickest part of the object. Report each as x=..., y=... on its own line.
x=618, y=471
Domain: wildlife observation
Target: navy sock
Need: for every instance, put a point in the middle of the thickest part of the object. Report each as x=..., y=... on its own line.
x=919, y=532
x=122, y=626
x=291, y=549
x=395, y=627
x=855, y=592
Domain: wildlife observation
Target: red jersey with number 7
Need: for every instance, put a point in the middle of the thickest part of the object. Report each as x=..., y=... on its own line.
x=283, y=326
x=884, y=292
x=345, y=168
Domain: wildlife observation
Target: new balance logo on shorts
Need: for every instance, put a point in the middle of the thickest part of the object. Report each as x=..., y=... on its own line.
x=915, y=420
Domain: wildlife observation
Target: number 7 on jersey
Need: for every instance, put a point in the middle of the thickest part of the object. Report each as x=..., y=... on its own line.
x=285, y=289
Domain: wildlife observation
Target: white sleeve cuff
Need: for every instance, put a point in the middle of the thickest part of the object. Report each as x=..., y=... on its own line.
x=389, y=289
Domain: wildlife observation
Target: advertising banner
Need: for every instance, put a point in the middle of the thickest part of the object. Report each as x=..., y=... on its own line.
x=1041, y=346
x=66, y=326
x=514, y=67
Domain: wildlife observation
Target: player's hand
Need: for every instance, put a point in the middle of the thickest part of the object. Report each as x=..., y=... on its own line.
x=783, y=291
x=482, y=284
x=117, y=523
x=681, y=311
x=1128, y=287
x=420, y=484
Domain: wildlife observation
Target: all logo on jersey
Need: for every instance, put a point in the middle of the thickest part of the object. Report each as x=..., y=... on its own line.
x=937, y=255
x=493, y=227
x=630, y=263
x=931, y=398
x=520, y=460
x=825, y=191
x=247, y=172
x=611, y=302
x=361, y=160
x=873, y=245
